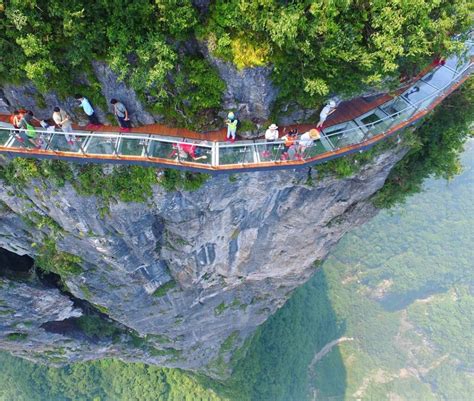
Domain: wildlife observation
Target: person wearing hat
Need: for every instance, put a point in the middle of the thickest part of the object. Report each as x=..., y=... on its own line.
x=325, y=112
x=271, y=134
x=231, y=126
x=307, y=140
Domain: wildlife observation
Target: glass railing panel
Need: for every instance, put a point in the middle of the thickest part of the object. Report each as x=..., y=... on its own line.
x=236, y=154
x=71, y=143
x=396, y=106
x=440, y=77
x=163, y=150
x=315, y=149
x=270, y=151
x=196, y=153
x=22, y=140
x=132, y=147
x=457, y=63
x=419, y=94
x=5, y=135
x=343, y=134
x=373, y=123
x=102, y=145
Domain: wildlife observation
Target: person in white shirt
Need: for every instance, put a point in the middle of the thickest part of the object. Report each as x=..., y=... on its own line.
x=307, y=140
x=271, y=134
x=62, y=120
x=325, y=112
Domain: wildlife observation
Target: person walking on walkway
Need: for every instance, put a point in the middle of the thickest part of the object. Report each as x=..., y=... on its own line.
x=325, y=112
x=121, y=113
x=231, y=126
x=86, y=106
x=63, y=121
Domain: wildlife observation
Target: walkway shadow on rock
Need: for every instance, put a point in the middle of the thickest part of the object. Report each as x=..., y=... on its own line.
x=276, y=365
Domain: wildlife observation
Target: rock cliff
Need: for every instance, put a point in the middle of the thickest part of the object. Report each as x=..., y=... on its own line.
x=185, y=277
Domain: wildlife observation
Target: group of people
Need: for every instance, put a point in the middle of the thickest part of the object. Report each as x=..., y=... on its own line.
x=24, y=128
x=120, y=111
x=293, y=146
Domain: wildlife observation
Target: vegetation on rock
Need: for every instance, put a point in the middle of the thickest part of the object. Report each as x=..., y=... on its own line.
x=331, y=47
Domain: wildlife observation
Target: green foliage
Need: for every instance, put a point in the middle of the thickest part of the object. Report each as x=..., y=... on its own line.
x=162, y=290
x=174, y=180
x=126, y=183
x=94, y=381
x=53, y=43
x=19, y=171
x=439, y=141
x=97, y=327
x=50, y=259
x=333, y=47
x=16, y=336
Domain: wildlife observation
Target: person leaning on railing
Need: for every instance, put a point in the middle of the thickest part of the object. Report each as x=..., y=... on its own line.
x=26, y=123
x=307, y=140
x=290, y=143
x=15, y=119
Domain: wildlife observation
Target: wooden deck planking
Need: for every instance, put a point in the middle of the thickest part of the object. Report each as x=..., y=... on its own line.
x=346, y=111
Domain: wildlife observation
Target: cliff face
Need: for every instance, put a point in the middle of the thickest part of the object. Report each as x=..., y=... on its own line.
x=193, y=273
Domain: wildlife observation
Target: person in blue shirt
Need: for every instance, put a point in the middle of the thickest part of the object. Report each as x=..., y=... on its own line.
x=86, y=106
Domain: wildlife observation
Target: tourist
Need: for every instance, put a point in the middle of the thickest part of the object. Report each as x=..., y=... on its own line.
x=86, y=106
x=325, y=112
x=307, y=140
x=15, y=119
x=63, y=121
x=290, y=144
x=271, y=134
x=26, y=123
x=231, y=126
x=121, y=113
x=185, y=150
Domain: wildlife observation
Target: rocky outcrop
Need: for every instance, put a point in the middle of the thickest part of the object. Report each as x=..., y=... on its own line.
x=192, y=273
x=250, y=92
x=27, y=96
x=112, y=87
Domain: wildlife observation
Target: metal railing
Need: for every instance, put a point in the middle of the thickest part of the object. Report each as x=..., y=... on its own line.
x=205, y=155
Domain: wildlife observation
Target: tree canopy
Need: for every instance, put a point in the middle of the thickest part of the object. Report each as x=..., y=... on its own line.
x=340, y=46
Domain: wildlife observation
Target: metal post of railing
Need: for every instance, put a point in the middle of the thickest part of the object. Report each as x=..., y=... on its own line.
x=48, y=142
x=145, y=144
x=215, y=154
x=81, y=147
x=115, y=142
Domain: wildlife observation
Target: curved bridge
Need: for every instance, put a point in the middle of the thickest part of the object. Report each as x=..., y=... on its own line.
x=349, y=130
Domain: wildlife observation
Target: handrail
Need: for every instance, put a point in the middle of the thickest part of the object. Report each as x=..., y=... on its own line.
x=155, y=149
